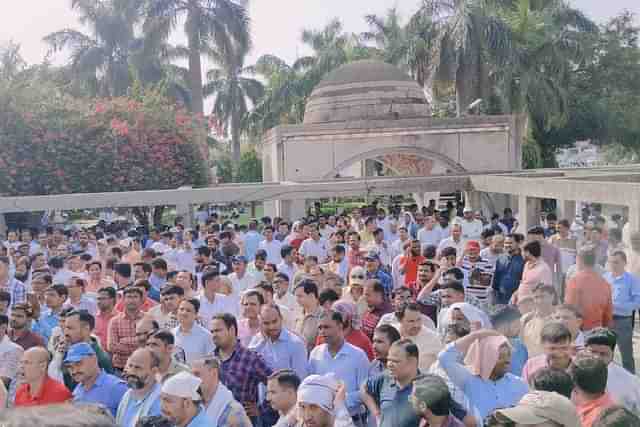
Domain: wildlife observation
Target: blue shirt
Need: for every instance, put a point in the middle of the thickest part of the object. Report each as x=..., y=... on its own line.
x=484, y=396
x=395, y=408
x=385, y=279
x=45, y=324
x=107, y=390
x=251, y=241
x=287, y=352
x=507, y=276
x=626, y=293
x=519, y=356
x=349, y=365
x=201, y=420
x=134, y=405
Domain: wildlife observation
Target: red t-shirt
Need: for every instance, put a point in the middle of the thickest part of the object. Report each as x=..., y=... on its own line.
x=51, y=392
x=356, y=338
x=410, y=266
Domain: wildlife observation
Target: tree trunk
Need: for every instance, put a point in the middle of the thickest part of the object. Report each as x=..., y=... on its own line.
x=467, y=84
x=195, y=79
x=235, y=145
x=142, y=215
x=157, y=215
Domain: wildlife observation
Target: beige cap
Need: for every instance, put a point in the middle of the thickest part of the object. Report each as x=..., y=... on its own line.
x=538, y=407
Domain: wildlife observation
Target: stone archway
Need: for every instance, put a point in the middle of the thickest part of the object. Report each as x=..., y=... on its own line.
x=380, y=152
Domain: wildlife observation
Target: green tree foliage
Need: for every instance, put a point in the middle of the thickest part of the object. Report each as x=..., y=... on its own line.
x=249, y=168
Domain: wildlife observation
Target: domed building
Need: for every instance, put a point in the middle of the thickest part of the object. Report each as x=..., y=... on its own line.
x=366, y=90
x=370, y=110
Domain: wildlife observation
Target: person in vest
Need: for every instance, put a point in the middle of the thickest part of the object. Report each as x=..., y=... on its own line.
x=143, y=397
x=219, y=403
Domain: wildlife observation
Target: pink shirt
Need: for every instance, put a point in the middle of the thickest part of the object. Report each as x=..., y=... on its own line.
x=532, y=275
x=533, y=365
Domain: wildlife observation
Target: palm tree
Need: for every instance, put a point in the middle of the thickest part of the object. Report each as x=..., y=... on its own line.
x=102, y=58
x=223, y=24
x=463, y=31
x=286, y=92
x=548, y=41
x=233, y=92
x=389, y=36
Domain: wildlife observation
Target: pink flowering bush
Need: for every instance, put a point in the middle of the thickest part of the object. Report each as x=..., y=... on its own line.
x=52, y=143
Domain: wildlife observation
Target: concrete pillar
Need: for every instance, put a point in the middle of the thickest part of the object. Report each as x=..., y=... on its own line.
x=634, y=216
x=528, y=213
x=473, y=199
x=271, y=208
x=3, y=226
x=292, y=210
x=566, y=209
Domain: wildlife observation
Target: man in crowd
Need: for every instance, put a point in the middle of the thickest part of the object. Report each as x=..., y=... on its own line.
x=626, y=299
x=78, y=328
x=10, y=353
x=143, y=397
x=375, y=271
x=623, y=386
x=36, y=387
x=556, y=346
x=181, y=401
x=432, y=401
x=10, y=284
x=122, y=341
x=589, y=394
x=378, y=306
x=162, y=344
x=508, y=271
x=219, y=404
x=193, y=338
x=383, y=337
x=94, y=385
x=211, y=300
x=412, y=328
x=597, y=309
x=282, y=389
x=349, y=363
x=54, y=297
x=20, y=327
x=166, y=313
x=279, y=348
x=387, y=396
x=532, y=323
x=106, y=302
x=242, y=370
x=306, y=293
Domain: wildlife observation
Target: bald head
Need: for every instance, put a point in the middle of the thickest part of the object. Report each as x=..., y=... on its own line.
x=33, y=366
x=271, y=321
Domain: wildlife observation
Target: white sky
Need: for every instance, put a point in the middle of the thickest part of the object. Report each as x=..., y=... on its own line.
x=276, y=24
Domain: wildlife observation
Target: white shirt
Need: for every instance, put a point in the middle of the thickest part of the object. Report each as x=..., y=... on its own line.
x=10, y=355
x=273, y=250
x=450, y=243
x=63, y=276
x=311, y=247
x=391, y=319
x=161, y=247
x=471, y=230
x=444, y=232
x=185, y=260
x=196, y=344
x=429, y=237
x=221, y=304
x=623, y=387
x=289, y=270
x=248, y=281
x=289, y=301
x=327, y=231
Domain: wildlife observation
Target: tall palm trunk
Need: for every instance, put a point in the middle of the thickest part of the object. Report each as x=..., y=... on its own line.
x=195, y=64
x=235, y=142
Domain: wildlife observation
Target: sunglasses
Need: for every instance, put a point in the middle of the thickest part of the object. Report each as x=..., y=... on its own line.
x=358, y=276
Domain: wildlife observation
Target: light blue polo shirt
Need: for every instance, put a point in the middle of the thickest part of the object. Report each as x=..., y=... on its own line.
x=107, y=390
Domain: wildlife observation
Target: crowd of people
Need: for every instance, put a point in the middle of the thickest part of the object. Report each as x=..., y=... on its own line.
x=414, y=317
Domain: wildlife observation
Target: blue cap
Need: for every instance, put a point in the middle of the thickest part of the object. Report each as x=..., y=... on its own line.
x=237, y=259
x=79, y=351
x=372, y=256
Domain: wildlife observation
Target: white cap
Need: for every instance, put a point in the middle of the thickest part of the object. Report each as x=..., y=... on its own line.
x=183, y=384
